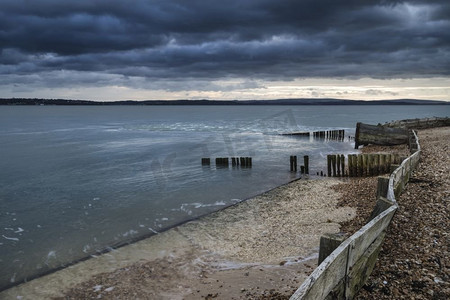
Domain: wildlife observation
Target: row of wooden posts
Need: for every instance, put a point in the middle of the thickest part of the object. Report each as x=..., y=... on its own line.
x=360, y=165
x=303, y=169
x=225, y=161
x=325, y=134
x=330, y=134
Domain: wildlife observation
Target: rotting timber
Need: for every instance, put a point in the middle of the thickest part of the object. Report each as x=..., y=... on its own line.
x=379, y=135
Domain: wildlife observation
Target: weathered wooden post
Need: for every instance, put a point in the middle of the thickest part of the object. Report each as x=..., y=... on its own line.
x=350, y=165
x=382, y=186
x=306, y=163
x=355, y=165
x=364, y=164
x=377, y=164
x=360, y=165
x=338, y=165
x=242, y=159
x=382, y=163
x=206, y=161
x=329, y=164
x=302, y=169
x=343, y=165
x=388, y=163
x=370, y=164
x=329, y=242
x=333, y=160
x=293, y=161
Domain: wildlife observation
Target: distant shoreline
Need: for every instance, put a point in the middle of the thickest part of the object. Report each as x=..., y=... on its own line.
x=322, y=101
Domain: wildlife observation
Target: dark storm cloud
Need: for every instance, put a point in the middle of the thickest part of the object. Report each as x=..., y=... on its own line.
x=281, y=39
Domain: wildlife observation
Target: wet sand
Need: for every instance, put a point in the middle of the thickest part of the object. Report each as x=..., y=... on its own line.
x=265, y=246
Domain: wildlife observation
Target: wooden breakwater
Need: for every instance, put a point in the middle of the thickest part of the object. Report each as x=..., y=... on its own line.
x=304, y=169
x=419, y=123
x=344, y=266
x=366, y=134
x=224, y=162
x=360, y=165
x=395, y=132
x=336, y=135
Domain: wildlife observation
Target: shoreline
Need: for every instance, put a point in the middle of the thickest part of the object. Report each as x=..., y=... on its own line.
x=117, y=246
x=262, y=233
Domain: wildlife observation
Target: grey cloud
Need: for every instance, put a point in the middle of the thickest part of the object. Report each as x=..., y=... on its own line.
x=176, y=39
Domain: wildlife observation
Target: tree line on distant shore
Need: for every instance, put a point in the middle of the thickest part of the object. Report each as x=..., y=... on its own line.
x=321, y=101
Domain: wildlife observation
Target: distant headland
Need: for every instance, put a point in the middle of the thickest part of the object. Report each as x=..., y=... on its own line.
x=300, y=101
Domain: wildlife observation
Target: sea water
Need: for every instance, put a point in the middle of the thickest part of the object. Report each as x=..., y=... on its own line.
x=78, y=180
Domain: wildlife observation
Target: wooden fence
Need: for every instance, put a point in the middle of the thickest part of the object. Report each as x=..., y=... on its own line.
x=337, y=135
x=343, y=272
x=224, y=162
x=360, y=165
x=420, y=123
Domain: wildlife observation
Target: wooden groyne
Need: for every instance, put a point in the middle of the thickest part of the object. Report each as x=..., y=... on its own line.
x=419, y=123
x=360, y=165
x=337, y=135
x=344, y=266
x=395, y=132
x=224, y=162
x=379, y=135
x=304, y=169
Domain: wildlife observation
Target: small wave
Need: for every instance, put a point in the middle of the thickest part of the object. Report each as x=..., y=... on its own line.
x=152, y=230
x=19, y=230
x=187, y=207
x=10, y=238
x=130, y=232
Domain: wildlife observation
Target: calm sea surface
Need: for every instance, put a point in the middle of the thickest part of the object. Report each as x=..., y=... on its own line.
x=77, y=180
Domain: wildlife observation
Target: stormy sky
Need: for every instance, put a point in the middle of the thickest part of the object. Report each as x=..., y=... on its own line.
x=233, y=49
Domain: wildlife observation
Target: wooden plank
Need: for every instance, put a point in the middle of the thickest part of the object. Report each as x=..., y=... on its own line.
x=415, y=159
x=420, y=123
x=334, y=268
x=363, y=268
x=368, y=233
x=325, y=277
